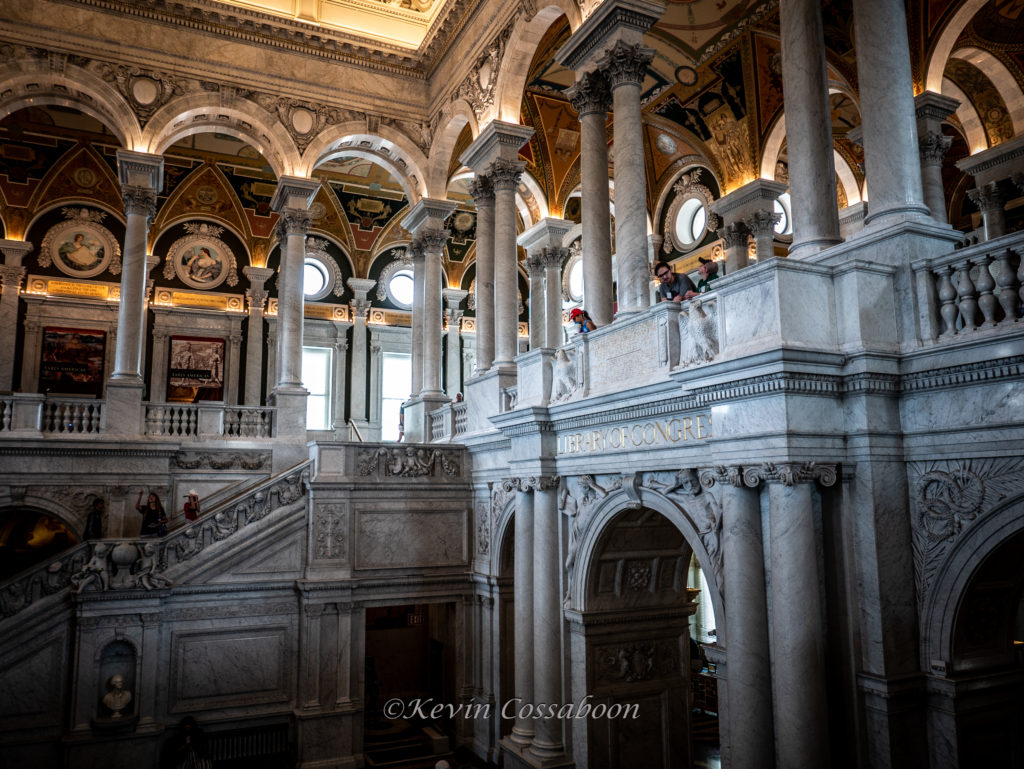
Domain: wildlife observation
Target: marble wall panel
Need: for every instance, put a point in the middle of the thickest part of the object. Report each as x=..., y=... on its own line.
x=238, y=667
x=624, y=356
x=410, y=539
x=866, y=309
x=963, y=410
x=750, y=318
x=31, y=686
x=807, y=309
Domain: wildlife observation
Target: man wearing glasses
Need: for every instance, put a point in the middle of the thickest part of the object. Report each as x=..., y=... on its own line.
x=673, y=286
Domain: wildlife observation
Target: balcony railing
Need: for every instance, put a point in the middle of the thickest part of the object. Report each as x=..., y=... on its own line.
x=71, y=416
x=248, y=422
x=172, y=420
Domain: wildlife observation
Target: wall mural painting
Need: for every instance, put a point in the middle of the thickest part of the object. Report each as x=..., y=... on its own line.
x=197, y=370
x=201, y=259
x=81, y=246
x=72, y=361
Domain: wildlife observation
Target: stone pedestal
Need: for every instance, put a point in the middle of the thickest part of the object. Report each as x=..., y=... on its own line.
x=523, y=731
x=122, y=410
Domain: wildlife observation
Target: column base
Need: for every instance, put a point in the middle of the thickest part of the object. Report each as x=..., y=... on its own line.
x=517, y=756
x=122, y=409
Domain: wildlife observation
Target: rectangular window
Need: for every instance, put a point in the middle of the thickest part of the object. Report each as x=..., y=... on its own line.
x=316, y=377
x=395, y=384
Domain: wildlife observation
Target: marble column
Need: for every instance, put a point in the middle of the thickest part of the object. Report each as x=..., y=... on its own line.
x=798, y=635
x=523, y=570
x=232, y=362
x=340, y=397
x=734, y=241
x=257, y=298
x=625, y=66
x=892, y=164
x=12, y=274
x=547, y=616
x=812, y=171
x=538, y=325
x=494, y=154
x=761, y=225
x=505, y=175
x=554, y=258
x=591, y=98
x=990, y=200
x=931, y=109
x=141, y=178
x=750, y=718
x=158, y=386
x=291, y=201
x=453, y=364
x=416, y=257
x=483, y=194
x=361, y=287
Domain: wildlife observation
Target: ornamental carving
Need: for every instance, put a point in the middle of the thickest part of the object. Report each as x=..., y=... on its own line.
x=565, y=378
x=81, y=246
x=483, y=530
x=402, y=261
x=505, y=174
x=762, y=222
x=482, y=191
x=201, y=259
x=140, y=201
x=293, y=221
x=625, y=64
x=477, y=89
x=316, y=248
x=638, y=576
x=933, y=147
x=330, y=526
x=687, y=187
x=703, y=509
x=638, y=661
x=591, y=93
x=408, y=462
x=947, y=498
x=145, y=90
x=203, y=460
x=301, y=119
x=733, y=235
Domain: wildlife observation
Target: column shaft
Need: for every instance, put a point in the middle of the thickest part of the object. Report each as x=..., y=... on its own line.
x=801, y=723
x=254, y=348
x=553, y=259
x=812, y=171
x=505, y=177
x=140, y=207
x=417, y=320
x=291, y=301
x=12, y=275
x=538, y=325
x=483, y=193
x=547, y=617
x=750, y=717
x=432, y=241
x=891, y=161
x=522, y=732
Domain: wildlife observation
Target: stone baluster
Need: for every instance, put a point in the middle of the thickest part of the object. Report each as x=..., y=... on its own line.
x=453, y=364
x=947, y=295
x=985, y=283
x=798, y=635
x=361, y=287
x=966, y=301
x=812, y=173
x=750, y=684
x=523, y=731
x=891, y=154
x=990, y=199
x=483, y=193
x=12, y=274
x=931, y=109
x=1005, y=282
x=625, y=66
x=591, y=98
x=257, y=299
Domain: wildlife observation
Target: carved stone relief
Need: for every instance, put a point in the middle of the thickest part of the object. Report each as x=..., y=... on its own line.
x=637, y=661
x=698, y=332
x=330, y=532
x=408, y=462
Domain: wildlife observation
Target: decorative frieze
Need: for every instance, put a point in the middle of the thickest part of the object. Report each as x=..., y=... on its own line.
x=408, y=462
x=209, y=460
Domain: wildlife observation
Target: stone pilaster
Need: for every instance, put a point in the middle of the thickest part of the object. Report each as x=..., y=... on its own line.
x=591, y=98
x=483, y=195
x=812, y=172
x=256, y=297
x=891, y=160
x=523, y=731
x=12, y=274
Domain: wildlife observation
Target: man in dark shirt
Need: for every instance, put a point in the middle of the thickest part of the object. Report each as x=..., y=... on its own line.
x=673, y=287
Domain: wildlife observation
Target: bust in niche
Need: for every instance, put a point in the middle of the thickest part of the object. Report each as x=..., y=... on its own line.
x=118, y=697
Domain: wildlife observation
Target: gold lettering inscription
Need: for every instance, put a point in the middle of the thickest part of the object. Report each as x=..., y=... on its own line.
x=660, y=432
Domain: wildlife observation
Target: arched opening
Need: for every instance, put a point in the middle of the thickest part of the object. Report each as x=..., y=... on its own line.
x=28, y=537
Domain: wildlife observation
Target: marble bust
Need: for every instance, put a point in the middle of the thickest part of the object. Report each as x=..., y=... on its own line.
x=118, y=697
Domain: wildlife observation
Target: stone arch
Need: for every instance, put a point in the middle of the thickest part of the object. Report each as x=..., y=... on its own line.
x=75, y=201
x=974, y=131
x=504, y=531
x=231, y=227
x=943, y=47
x=1001, y=79
x=444, y=143
x=243, y=119
x=32, y=84
x=603, y=515
x=388, y=147
x=952, y=579
x=684, y=164
x=537, y=196
x=522, y=47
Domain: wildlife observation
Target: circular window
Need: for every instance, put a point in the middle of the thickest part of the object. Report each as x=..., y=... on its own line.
x=785, y=224
x=691, y=221
x=400, y=287
x=314, y=278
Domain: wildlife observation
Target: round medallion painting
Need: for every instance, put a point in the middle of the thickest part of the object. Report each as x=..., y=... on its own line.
x=80, y=248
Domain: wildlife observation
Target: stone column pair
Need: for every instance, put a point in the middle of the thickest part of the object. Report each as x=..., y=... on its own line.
x=545, y=257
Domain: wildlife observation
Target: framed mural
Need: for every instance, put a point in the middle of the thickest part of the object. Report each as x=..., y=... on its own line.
x=81, y=246
x=196, y=371
x=201, y=259
x=72, y=361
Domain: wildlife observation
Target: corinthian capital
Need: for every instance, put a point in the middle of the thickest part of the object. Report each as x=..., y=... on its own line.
x=482, y=190
x=591, y=93
x=792, y=473
x=933, y=147
x=139, y=200
x=432, y=239
x=734, y=234
x=626, y=63
x=987, y=198
x=293, y=221
x=11, y=275
x=762, y=222
x=554, y=257
x=505, y=174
